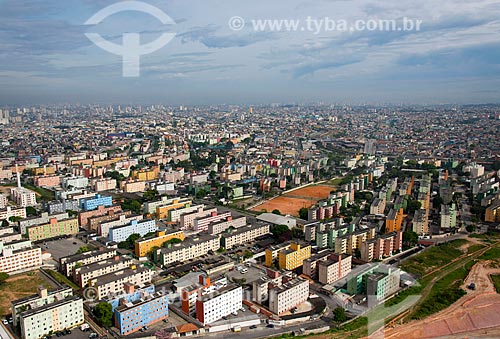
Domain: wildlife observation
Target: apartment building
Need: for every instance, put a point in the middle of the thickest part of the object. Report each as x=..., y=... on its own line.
x=336, y=267
x=76, y=182
x=43, y=219
x=162, y=211
x=492, y=213
x=152, y=206
x=56, y=316
x=144, y=246
x=260, y=287
x=103, y=184
x=83, y=217
x=201, y=224
x=9, y=212
x=394, y=220
x=19, y=256
x=205, y=286
x=190, y=248
x=55, y=207
x=273, y=251
x=243, y=235
x=142, y=227
x=43, y=297
x=223, y=302
x=90, y=204
x=132, y=316
x=7, y=234
x=120, y=220
x=133, y=186
x=310, y=265
x=381, y=284
x=186, y=221
x=54, y=228
x=95, y=222
x=448, y=216
x=378, y=206
x=68, y=263
x=174, y=214
x=47, y=181
x=222, y=226
x=23, y=197
x=130, y=293
x=113, y=283
x=83, y=274
x=287, y=296
x=420, y=223
x=3, y=201
x=293, y=257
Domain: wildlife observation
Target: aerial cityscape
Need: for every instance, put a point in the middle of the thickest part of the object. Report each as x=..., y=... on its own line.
x=325, y=170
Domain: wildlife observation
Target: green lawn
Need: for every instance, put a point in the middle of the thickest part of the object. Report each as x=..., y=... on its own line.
x=433, y=257
x=62, y=279
x=474, y=248
x=496, y=282
x=491, y=254
x=444, y=292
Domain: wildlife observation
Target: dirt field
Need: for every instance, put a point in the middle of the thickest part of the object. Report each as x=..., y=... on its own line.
x=476, y=312
x=17, y=287
x=292, y=202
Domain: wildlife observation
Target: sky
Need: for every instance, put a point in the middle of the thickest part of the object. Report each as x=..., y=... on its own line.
x=46, y=57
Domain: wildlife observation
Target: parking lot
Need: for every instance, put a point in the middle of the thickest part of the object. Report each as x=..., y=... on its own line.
x=250, y=276
x=62, y=247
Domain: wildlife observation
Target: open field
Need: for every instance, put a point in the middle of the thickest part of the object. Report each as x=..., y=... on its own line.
x=290, y=203
x=19, y=286
x=433, y=258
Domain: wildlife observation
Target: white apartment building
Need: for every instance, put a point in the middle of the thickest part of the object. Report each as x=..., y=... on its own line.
x=175, y=214
x=219, y=227
x=8, y=212
x=122, y=220
x=243, y=235
x=103, y=184
x=121, y=233
x=19, y=256
x=186, y=220
x=288, y=295
x=3, y=201
x=57, y=316
x=214, y=306
x=23, y=196
x=43, y=297
x=112, y=283
x=190, y=248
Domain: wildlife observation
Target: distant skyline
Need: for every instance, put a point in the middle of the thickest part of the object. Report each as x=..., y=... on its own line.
x=45, y=57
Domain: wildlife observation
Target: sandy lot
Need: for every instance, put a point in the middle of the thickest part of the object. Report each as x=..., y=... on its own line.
x=290, y=203
x=478, y=310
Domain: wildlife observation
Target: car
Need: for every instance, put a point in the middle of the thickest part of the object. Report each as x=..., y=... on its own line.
x=253, y=327
x=270, y=326
x=5, y=322
x=74, y=243
x=58, y=334
x=93, y=335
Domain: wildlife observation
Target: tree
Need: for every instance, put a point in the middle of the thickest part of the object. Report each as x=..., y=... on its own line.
x=151, y=195
x=410, y=239
x=247, y=255
x=132, y=205
x=84, y=249
x=303, y=213
x=297, y=233
x=5, y=223
x=14, y=219
x=470, y=228
x=279, y=230
x=276, y=211
x=3, y=277
x=172, y=241
x=104, y=314
x=414, y=205
x=31, y=211
x=339, y=315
